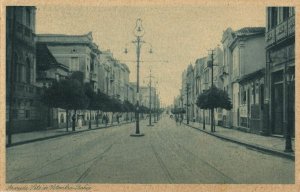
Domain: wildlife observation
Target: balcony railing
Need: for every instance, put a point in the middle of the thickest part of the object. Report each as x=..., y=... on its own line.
x=25, y=34
x=281, y=31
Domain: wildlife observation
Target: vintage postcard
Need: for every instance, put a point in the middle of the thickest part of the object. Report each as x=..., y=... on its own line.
x=149, y=96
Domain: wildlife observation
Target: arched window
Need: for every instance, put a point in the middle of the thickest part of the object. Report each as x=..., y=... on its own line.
x=28, y=71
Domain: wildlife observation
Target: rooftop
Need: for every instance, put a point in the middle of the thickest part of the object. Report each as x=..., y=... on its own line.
x=45, y=60
x=250, y=31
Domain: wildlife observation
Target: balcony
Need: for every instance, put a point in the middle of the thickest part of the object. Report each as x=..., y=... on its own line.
x=291, y=26
x=25, y=34
x=281, y=31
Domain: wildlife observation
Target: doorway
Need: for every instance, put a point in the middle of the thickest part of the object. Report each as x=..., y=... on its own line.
x=277, y=109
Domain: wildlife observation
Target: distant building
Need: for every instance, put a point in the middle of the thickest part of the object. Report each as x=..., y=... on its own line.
x=280, y=70
x=189, y=90
x=199, y=86
x=78, y=52
x=106, y=77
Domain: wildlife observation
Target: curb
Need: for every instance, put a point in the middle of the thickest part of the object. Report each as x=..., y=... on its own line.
x=257, y=147
x=60, y=135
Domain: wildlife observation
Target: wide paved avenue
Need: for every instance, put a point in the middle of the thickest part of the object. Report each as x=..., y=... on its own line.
x=168, y=153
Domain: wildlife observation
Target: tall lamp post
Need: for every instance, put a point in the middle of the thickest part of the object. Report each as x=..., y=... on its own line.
x=150, y=99
x=203, y=116
x=289, y=77
x=139, y=33
x=155, y=116
x=157, y=107
x=181, y=99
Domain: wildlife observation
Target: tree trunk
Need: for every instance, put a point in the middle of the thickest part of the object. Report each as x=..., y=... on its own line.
x=73, y=121
x=49, y=117
x=67, y=117
x=212, y=120
x=97, y=118
x=90, y=122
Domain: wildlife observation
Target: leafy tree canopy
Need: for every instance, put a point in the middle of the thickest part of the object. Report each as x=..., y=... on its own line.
x=66, y=94
x=214, y=98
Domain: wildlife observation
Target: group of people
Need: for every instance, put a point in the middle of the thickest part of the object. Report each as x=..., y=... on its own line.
x=105, y=119
x=80, y=118
x=178, y=118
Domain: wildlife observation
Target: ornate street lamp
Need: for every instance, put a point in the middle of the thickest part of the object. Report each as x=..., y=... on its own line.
x=139, y=33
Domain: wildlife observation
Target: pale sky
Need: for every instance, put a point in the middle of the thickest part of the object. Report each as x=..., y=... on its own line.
x=178, y=34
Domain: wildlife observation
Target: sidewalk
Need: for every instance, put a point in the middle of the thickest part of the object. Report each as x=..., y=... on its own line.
x=273, y=145
x=23, y=138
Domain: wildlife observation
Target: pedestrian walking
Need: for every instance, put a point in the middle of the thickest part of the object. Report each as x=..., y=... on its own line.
x=73, y=121
x=176, y=119
x=106, y=120
x=118, y=119
x=181, y=119
x=79, y=122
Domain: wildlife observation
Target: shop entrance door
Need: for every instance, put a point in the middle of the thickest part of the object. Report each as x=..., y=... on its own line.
x=277, y=109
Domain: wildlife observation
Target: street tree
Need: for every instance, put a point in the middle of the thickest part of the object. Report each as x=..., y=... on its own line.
x=67, y=94
x=52, y=98
x=91, y=100
x=74, y=97
x=214, y=98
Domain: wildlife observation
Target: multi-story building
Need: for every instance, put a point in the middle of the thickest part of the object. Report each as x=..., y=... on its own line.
x=226, y=69
x=21, y=91
x=189, y=89
x=78, y=52
x=106, y=76
x=145, y=100
x=217, y=62
x=243, y=54
x=132, y=93
x=183, y=92
x=280, y=70
x=48, y=71
x=125, y=81
x=198, y=75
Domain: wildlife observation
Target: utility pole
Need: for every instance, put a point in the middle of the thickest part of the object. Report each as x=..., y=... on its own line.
x=150, y=95
x=187, y=103
x=155, y=115
x=212, y=84
x=154, y=107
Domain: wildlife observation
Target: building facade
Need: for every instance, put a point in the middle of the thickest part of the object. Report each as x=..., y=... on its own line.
x=22, y=95
x=243, y=54
x=280, y=71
